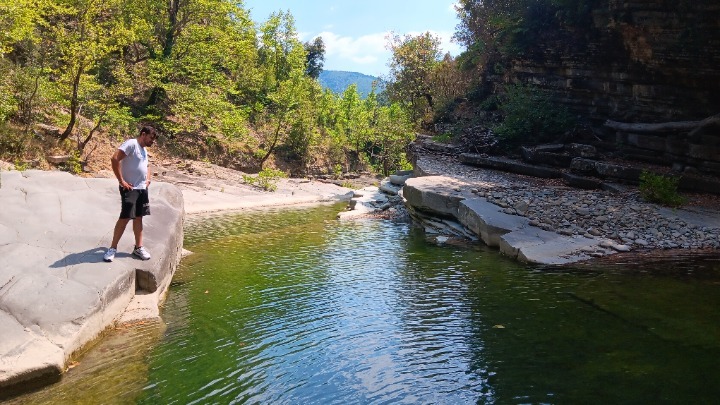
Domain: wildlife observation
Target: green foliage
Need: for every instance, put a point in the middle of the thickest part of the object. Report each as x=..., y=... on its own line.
x=20, y=165
x=74, y=165
x=203, y=72
x=661, y=189
x=530, y=116
x=13, y=143
x=266, y=179
x=413, y=61
x=445, y=137
x=315, y=57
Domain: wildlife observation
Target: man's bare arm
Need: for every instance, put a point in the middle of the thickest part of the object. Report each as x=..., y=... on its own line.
x=115, y=163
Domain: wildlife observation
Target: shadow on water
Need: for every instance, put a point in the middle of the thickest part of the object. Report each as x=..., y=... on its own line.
x=293, y=306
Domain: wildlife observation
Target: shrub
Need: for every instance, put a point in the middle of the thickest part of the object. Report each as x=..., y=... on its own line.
x=266, y=179
x=445, y=137
x=74, y=164
x=660, y=189
x=530, y=116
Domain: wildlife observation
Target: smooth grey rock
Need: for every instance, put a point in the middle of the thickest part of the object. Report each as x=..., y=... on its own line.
x=487, y=220
x=435, y=194
x=627, y=173
x=399, y=180
x=583, y=166
x=389, y=188
x=583, y=182
x=508, y=165
x=56, y=292
x=531, y=245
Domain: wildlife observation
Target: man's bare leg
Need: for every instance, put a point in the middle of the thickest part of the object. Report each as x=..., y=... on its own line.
x=138, y=230
x=120, y=226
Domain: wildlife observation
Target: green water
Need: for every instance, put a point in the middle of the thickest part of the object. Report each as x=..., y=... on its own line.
x=292, y=306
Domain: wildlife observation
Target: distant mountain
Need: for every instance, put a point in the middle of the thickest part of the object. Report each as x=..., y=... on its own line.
x=337, y=81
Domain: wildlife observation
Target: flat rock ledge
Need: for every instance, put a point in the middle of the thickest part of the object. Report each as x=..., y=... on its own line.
x=440, y=201
x=56, y=292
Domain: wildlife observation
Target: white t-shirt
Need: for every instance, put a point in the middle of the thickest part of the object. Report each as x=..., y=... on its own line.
x=134, y=167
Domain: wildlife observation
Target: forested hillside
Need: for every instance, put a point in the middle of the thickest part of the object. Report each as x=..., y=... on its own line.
x=338, y=81
x=246, y=94
x=218, y=85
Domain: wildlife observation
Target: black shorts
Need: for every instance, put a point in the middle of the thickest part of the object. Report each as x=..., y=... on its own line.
x=135, y=203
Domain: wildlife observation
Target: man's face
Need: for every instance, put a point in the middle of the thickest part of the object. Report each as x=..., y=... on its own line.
x=149, y=139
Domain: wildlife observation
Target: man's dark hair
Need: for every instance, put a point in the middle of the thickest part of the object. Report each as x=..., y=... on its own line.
x=147, y=129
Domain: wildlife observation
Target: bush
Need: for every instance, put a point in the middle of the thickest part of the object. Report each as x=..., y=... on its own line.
x=530, y=116
x=74, y=165
x=445, y=137
x=266, y=179
x=660, y=189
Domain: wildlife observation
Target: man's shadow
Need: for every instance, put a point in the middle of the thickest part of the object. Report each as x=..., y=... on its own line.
x=94, y=255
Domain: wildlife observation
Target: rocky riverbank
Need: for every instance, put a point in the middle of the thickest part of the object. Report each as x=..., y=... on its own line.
x=618, y=215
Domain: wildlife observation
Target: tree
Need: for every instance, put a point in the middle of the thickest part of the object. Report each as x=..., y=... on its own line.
x=315, y=57
x=413, y=60
x=82, y=34
x=280, y=51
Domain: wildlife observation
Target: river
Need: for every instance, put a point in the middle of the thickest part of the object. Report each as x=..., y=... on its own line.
x=292, y=306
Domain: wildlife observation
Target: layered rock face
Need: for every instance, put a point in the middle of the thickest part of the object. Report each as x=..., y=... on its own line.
x=636, y=61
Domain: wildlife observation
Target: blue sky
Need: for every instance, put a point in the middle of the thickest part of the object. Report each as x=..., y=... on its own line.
x=355, y=32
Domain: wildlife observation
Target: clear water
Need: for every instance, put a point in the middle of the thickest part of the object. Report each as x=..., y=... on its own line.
x=292, y=306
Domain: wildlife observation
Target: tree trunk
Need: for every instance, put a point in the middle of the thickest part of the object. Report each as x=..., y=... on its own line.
x=83, y=144
x=274, y=142
x=73, y=104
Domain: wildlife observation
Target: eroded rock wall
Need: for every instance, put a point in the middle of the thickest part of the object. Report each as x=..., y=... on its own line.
x=636, y=61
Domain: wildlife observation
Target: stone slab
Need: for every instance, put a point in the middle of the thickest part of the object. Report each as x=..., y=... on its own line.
x=487, y=220
x=508, y=165
x=436, y=194
x=534, y=245
x=56, y=292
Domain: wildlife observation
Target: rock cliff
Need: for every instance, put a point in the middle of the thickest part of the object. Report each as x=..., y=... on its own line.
x=652, y=61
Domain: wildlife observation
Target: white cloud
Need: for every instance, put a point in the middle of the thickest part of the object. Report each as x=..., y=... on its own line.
x=366, y=53
x=453, y=7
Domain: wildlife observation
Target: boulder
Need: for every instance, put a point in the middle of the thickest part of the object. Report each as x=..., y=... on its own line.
x=550, y=155
x=582, y=150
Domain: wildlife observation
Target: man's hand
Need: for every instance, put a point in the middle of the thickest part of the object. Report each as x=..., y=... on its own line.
x=124, y=184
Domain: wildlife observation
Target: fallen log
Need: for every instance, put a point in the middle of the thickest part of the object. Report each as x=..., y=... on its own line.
x=677, y=126
x=650, y=128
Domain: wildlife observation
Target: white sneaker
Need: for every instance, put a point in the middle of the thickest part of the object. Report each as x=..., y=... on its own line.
x=142, y=253
x=109, y=255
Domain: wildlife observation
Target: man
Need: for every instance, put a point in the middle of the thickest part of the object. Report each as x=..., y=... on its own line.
x=130, y=165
